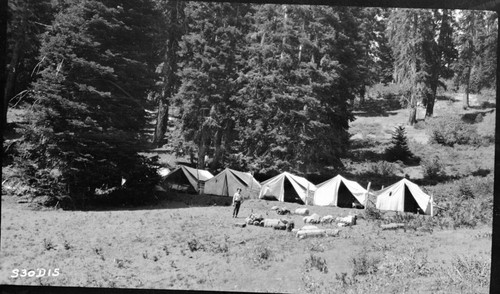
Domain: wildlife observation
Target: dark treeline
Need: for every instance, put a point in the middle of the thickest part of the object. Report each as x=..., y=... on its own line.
x=266, y=88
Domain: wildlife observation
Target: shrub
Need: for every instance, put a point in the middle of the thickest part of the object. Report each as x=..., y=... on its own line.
x=371, y=213
x=262, y=254
x=316, y=262
x=317, y=247
x=221, y=248
x=383, y=168
x=399, y=149
x=449, y=131
x=194, y=245
x=466, y=202
x=67, y=245
x=48, y=245
x=470, y=273
x=364, y=264
x=412, y=263
x=433, y=168
x=465, y=190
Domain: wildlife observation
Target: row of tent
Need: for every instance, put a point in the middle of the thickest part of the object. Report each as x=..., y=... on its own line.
x=403, y=196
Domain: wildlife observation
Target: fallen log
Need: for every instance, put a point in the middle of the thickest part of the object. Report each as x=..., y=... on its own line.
x=311, y=233
x=301, y=234
x=393, y=226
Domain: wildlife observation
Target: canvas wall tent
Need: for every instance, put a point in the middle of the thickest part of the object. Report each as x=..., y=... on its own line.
x=226, y=182
x=338, y=191
x=404, y=196
x=286, y=187
x=186, y=179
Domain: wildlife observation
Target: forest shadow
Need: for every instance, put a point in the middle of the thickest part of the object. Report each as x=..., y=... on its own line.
x=168, y=200
x=374, y=113
x=365, y=155
x=357, y=143
x=377, y=107
x=473, y=116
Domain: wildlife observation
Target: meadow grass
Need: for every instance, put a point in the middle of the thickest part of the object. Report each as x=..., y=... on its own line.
x=185, y=242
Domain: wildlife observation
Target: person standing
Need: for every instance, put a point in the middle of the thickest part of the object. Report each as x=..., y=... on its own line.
x=237, y=202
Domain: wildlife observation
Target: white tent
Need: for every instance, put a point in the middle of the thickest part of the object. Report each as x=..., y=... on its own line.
x=338, y=191
x=286, y=187
x=186, y=179
x=404, y=196
x=227, y=181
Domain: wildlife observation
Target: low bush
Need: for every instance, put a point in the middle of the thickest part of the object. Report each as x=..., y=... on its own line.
x=433, y=168
x=413, y=263
x=364, y=264
x=486, y=129
x=470, y=274
x=262, y=254
x=195, y=245
x=383, y=168
x=371, y=213
x=468, y=202
x=48, y=244
x=450, y=131
x=316, y=262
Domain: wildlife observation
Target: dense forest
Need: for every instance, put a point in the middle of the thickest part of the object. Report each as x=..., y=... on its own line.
x=266, y=88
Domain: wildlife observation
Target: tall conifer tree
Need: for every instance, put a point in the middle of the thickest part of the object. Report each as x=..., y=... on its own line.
x=88, y=115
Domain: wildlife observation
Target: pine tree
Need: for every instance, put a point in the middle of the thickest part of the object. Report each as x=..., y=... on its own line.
x=173, y=14
x=476, y=39
x=96, y=65
x=416, y=58
x=399, y=149
x=210, y=67
x=301, y=74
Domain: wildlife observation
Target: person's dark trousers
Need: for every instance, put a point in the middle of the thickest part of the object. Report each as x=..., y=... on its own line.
x=236, y=208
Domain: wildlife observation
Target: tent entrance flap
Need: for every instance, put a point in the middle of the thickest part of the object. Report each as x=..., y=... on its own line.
x=411, y=204
x=345, y=198
x=290, y=193
x=178, y=181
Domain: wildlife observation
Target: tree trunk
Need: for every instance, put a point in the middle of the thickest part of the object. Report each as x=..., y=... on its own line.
x=465, y=103
x=362, y=94
x=161, y=124
x=218, y=149
x=202, y=149
x=412, y=119
x=169, y=71
x=429, y=111
x=431, y=99
x=413, y=116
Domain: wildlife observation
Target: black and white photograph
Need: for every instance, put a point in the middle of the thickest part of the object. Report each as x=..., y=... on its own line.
x=249, y=146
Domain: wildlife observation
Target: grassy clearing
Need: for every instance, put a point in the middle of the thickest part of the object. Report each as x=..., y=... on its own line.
x=192, y=243
x=200, y=248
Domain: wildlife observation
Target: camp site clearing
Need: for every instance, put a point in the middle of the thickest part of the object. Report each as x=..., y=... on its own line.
x=176, y=246
x=190, y=241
